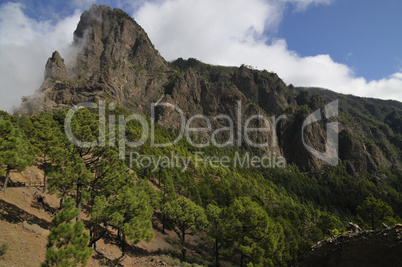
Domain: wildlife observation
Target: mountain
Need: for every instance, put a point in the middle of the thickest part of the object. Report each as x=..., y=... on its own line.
x=115, y=61
x=343, y=156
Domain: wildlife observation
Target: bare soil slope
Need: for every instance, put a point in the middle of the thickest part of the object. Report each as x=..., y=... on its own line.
x=25, y=225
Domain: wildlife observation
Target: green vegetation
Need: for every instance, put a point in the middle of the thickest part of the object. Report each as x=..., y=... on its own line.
x=14, y=150
x=210, y=73
x=249, y=216
x=254, y=234
x=184, y=214
x=129, y=213
x=4, y=248
x=375, y=212
x=42, y=131
x=67, y=241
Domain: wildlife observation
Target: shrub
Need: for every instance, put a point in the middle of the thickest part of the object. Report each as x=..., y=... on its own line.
x=4, y=248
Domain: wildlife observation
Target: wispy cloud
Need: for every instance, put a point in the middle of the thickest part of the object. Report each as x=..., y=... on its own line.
x=82, y=4
x=302, y=5
x=25, y=45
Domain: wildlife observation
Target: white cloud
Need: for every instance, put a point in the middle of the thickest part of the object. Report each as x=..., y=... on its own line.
x=303, y=4
x=204, y=27
x=25, y=45
x=226, y=32
x=82, y=4
x=235, y=32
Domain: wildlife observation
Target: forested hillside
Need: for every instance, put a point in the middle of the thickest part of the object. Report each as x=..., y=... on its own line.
x=126, y=140
x=264, y=216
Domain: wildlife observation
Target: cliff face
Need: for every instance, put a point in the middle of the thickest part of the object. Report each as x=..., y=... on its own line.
x=55, y=68
x=368, y=248
x=116, y=62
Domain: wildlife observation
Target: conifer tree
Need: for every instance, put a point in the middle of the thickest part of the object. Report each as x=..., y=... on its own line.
x=75, y=173
x=47, y=140
x=67, y=241
x=249, y=226
x=185, y=215
x=69, y=178
x=129, y=212
x=14, y=150
x=167, y=193
x=217, y=229
x=374, y=212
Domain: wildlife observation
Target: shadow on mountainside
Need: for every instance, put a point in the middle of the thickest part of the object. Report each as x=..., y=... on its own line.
x=39, y=203
x=13, y=214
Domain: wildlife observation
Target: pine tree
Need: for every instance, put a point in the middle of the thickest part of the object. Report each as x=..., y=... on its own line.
x=80, y=168
x=67, y=241
x=14, y=150
x=217, y=229
x=249, y=226
x=69, y=177
x=374, y=212
x=167, y=194
x=129, y=212
x=185, y=215
x=47, y=139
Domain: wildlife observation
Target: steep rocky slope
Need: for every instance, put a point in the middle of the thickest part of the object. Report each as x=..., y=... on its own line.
x=115, y=61
x=368, y=248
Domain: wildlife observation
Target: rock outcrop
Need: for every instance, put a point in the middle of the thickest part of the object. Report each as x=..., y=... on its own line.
x=55, y=68
x=367, y=248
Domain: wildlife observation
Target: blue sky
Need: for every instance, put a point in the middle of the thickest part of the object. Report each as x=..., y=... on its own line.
x=348, y=46
x=363, y=34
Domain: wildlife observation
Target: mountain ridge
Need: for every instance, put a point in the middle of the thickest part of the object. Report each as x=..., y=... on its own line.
x=117, y=62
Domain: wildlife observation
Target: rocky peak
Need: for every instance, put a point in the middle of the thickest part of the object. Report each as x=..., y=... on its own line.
x=114, y=60
x=110, y=36
x=55, y=68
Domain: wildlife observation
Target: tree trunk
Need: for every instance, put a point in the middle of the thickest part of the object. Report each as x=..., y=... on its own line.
x=91, y=243
x=216, y=253
x=372, y=220
x=163, y=222
x=6, y=180
x=184, y=252
x=61, y=202
x=78, y=201
x=44, y=175
x=123, y=245
x=183, y=232
x=44, y=183
x=96, y=236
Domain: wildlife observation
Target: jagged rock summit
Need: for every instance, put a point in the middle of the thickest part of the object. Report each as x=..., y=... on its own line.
x=114, y=60
x=55, y=68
